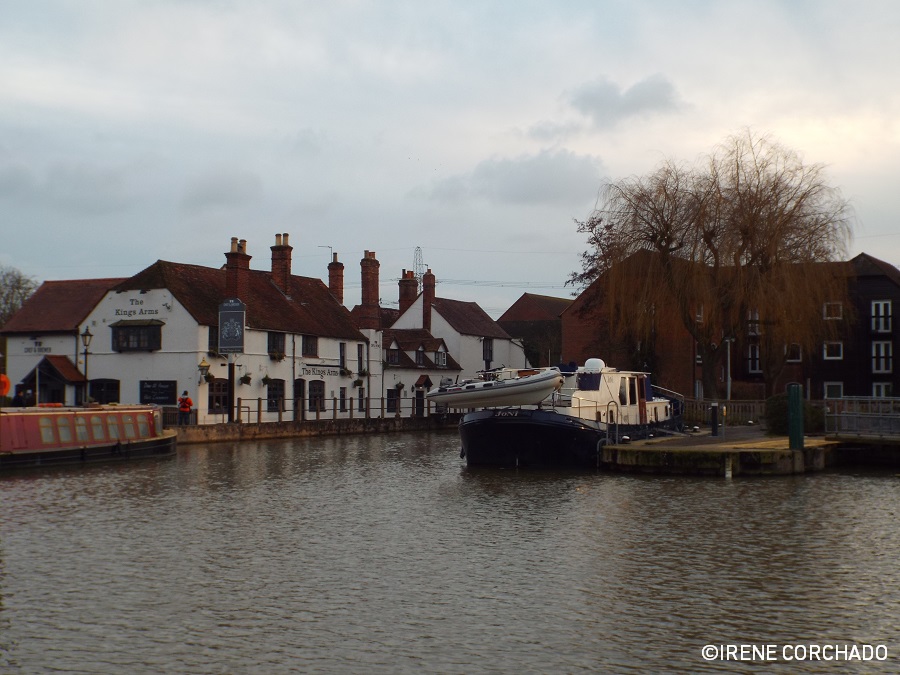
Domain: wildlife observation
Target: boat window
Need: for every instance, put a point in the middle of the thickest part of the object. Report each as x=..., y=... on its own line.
x=632, y=390
x=65, y=429
x=47, y=435
x=81, y=430
x=623, y=394
x=112, y=423
x=128, y=423
x=143, y=426
x=97, y=427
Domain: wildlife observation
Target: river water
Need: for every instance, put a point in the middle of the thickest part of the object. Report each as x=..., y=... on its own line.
x=384, y=554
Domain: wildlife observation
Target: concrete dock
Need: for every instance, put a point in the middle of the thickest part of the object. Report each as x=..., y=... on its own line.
x=735, y=451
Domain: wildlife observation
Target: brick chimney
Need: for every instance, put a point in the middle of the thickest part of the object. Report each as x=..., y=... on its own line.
x=336, y=278
x=370, y=312
x=281, y=263
x=428, y=282
x=409, y=290
x=237, y=270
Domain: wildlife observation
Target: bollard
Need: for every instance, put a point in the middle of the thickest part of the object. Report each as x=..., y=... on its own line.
x=795, y=416
x=714, y=418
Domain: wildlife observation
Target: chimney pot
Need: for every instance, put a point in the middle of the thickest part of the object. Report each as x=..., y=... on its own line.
x=336, y=278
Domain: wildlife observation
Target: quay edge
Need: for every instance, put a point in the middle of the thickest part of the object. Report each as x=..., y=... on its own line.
x=224, y=432
x=719, y=460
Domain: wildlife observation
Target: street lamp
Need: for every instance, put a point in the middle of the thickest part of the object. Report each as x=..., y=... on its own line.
x=728, y=342
x=204, y=370
x=86, y=338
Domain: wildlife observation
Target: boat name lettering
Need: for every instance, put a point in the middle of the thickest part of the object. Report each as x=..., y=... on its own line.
x=507, y=413
x=331, y=372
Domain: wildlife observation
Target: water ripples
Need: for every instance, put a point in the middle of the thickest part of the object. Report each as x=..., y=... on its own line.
x=384, y=554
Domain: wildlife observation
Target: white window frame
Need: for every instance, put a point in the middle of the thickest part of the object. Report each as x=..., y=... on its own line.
x=883, y=357
x=833, y=311
x=752, y=322
x=754, y=364
x=882, y=390
x=440, y=358
x=840, y=351
x=881, y=316
x=832, y=385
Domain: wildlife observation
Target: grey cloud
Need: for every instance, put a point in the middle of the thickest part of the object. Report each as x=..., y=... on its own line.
x=547, y=131
x=607, y=104
x=16, y=182
x=227, y=188
x=306, y=143
x=73, y=188
x=551, y=176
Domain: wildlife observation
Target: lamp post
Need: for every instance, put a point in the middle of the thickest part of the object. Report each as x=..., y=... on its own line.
x=86, y=338
x=728, y=342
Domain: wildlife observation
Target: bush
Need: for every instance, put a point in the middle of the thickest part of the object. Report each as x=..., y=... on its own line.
x=777, y=416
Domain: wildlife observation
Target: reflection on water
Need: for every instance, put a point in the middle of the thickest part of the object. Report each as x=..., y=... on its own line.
x=384, y=554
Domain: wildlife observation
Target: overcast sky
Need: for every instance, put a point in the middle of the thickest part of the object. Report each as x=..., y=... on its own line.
x=132, y=131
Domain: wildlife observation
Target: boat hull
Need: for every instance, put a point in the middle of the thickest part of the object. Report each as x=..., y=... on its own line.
x=527, y=390
x=541, y=439
x=54, y=435
x=160, y=446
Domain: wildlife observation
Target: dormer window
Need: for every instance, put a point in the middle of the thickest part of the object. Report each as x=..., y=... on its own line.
x=420, y=356
x=440, y=358
x=393, y=356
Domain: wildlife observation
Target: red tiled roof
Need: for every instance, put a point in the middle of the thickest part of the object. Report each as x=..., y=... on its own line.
x=410, y=339
x=865, y=265
x=531, y=307
x=467, y=318
x=59, y=306
x=386, y=315
x=66, y=369
x=309, y=308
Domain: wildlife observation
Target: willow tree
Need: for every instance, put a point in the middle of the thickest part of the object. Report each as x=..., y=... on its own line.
x=734, y=248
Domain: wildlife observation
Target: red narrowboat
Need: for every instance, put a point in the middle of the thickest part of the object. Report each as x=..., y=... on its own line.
x=49, y=436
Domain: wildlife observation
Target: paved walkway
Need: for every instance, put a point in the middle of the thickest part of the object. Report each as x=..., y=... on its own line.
x=727, y=435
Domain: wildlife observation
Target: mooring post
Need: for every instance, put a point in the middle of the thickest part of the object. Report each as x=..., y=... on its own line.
x=714, y=418
x=795, y=416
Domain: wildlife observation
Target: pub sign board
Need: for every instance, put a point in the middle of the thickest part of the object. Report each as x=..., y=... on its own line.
x=231, y=326
x=159, y=392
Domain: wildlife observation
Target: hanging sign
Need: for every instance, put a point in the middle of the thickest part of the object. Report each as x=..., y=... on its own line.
x=232, y=314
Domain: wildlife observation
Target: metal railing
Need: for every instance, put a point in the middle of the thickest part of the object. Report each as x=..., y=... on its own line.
x=730, y=412
x=259, y=410
x=863, y=416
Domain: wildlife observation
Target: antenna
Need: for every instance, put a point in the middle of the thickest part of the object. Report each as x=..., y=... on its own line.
x=419, y=267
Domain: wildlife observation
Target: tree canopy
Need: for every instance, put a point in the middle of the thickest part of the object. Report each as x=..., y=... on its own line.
x=15, y=289
x=734, y=245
